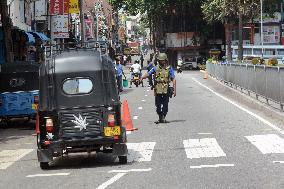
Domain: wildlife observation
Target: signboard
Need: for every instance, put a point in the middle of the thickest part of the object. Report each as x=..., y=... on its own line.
x=73, y=6
x=58, y=7
x=271, y=34
x=182, y=39
x=60, y=26
x=121, y=34
x=267, y=18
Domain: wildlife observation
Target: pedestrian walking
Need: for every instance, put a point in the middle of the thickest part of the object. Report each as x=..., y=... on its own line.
x=142, y=60
x=119, y=74
x=150, y=77
x=164, y=75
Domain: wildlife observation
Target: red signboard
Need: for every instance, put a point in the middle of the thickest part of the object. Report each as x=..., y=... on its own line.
x=58, y=7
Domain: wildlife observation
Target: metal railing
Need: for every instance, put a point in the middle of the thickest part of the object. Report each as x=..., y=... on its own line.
x=264, y=81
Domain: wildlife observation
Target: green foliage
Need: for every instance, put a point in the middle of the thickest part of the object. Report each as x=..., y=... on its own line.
x=255, y=61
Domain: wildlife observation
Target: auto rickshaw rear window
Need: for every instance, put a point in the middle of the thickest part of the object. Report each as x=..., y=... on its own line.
x=73, y=86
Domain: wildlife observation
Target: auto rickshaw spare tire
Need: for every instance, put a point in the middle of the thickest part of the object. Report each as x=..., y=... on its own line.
x=44, y=165
x=122, y=159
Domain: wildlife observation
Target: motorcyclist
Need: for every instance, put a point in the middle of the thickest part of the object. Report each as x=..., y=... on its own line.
x=179, y=65
x=135, y=69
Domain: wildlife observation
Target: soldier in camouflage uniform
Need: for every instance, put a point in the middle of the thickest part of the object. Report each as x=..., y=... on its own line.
x=164, y=74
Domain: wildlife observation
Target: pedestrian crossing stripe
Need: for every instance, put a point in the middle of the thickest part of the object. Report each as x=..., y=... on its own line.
x=8, y=157
x=267, y=144
x=202, y=148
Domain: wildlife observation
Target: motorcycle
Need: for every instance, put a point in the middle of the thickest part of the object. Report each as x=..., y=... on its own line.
x=179, y=69
x=136, y=79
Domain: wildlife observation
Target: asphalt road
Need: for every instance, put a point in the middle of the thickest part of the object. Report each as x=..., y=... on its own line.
x=215, y=138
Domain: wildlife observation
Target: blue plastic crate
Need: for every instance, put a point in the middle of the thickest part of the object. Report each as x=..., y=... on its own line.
x=17, y=104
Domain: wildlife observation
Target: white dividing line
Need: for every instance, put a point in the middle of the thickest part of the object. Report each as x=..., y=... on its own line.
x=135, y=117
x=143, y=100
x=131, y=170
x=148, y=90
x=8, y=157
x=111, y=181
x=212, y=166
x=140, y=108
x=48, y=175
x=205, y=133
x=277, y=162
x=202, y=148
x=242, y=108
x=268, y=144
x=146, y=95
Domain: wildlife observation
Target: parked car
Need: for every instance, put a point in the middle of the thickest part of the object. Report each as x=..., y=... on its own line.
x=193, y=63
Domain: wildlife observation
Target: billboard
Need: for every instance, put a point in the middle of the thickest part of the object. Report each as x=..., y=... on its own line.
x=59, y=7
x=73, y=6
x=59, y=26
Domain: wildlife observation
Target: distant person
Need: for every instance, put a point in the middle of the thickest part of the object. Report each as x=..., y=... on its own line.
x=119, y=74
x=142, y=60
x=150, y=77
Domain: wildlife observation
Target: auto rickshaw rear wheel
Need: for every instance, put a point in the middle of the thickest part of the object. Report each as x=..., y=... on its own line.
x=122, y=159
x=44, y=165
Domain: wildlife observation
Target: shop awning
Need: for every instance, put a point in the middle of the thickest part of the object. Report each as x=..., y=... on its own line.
x=30, y=37
x=40, y=35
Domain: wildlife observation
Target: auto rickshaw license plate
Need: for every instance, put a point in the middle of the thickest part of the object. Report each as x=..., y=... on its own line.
x=112, y=131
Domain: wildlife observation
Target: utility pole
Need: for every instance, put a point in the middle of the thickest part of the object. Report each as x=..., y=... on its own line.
x=82, y=23
x=261, y=27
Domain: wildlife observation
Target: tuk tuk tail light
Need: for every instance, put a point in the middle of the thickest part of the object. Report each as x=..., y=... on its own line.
x=49, y=125
x=36, y=99
x=111, y=120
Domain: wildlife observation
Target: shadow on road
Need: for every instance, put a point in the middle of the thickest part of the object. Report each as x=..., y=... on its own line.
x=84, y=160
x=16, y=129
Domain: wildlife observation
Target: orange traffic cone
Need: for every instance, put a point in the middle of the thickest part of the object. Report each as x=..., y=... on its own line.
x=205, y=75
x=126, y=118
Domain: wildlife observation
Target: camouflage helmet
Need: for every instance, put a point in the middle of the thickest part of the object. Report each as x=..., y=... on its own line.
x=162, y=56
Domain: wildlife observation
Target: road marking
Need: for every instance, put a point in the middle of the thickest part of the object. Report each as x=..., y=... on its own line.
x=276, y=162
x=131, y=170
x=140, y=108
x=201, y=148
x=143, y=100
x=140, y=152
x=205, y=133
x=8, y=157
x=146, y=95
x=242, y=108
x=212, y=166
x=268, y=144
x=111, y=181
x=135, y=117
x=48, y=175
x=148, y=90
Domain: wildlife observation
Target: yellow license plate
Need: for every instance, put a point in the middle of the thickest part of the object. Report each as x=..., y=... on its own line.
x=112, y=131
x=34, y=106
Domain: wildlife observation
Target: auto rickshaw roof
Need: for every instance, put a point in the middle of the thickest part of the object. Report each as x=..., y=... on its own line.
x=74, y=61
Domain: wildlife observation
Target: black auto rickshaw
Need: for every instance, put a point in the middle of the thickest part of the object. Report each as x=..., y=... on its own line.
x=79, y=107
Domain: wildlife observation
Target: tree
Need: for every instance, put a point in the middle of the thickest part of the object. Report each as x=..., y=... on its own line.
x=7, y=29
x=232, y=11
